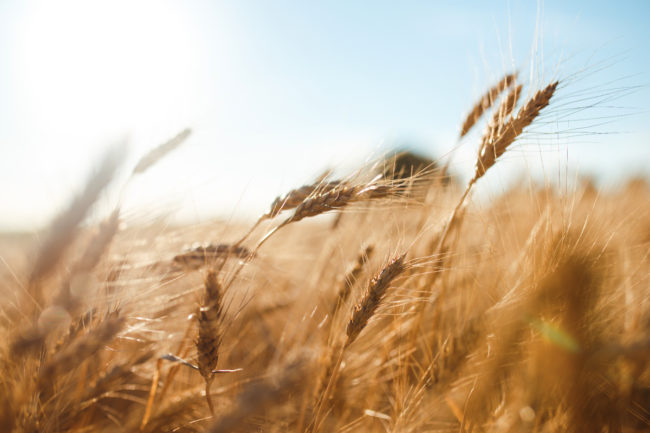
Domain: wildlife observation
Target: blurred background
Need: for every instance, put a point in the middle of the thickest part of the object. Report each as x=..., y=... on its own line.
x=276, y=92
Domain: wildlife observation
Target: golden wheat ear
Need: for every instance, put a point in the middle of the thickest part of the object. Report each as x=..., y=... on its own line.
x=511, y=129
x=209, y=337
x=292, y=200
x=486, y=102
x=295, y=197
x=501, y=115
x=339, y=198
x=210, y=316
x=373, y=297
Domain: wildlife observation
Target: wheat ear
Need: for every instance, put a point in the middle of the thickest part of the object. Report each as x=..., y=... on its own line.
x=489, y=152
x=506, y=107
x=209, y=338
x=160, y=151
x=511, y=129
x=336, y=198
x=296, y=197
x=486, y=102
x=374, y=295
x=291, y=200
x=362, y=313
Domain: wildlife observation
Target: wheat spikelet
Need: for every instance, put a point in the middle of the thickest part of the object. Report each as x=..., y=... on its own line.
x=375, y=293
x=486, y=102
x=362, y=313
x=512, y=129
x=159, y=152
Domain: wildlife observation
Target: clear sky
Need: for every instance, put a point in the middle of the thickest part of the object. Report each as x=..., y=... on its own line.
x=275, y=92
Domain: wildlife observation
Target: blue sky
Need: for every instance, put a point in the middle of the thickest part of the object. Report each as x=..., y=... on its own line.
x=278, y=91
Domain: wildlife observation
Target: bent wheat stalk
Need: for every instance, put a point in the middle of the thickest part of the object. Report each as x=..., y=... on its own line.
x=363, y=311
x=492, y=150
x=337, y=198
x=291, y=200
x=489, y=151
x=334, y=199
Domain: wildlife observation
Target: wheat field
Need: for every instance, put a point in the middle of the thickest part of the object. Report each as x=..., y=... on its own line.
x=386, y=300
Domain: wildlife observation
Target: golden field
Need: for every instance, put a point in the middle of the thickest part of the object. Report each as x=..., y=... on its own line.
x=388, y=300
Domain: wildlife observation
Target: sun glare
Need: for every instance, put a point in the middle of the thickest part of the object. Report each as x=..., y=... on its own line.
x=104, y=68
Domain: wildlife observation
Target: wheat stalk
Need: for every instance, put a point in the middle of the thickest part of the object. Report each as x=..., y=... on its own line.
x=363, y=311
x=489, y=152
